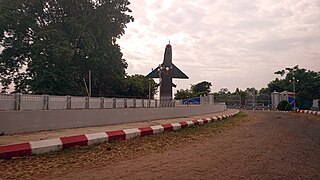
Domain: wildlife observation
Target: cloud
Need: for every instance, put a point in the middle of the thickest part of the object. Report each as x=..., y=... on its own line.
x=229, y=43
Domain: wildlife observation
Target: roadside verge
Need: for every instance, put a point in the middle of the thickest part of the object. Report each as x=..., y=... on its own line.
x=58, y=144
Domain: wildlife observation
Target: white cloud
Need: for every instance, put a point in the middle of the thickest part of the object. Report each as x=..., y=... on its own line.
x=229, y=43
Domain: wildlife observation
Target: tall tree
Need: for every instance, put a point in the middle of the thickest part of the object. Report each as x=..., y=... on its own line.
x=49, y=46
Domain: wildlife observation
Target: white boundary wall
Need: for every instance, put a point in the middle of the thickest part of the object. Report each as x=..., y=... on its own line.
x=37, y=120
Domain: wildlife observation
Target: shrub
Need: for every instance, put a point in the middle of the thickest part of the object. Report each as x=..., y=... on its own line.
x=284, y=106
x=288, y=107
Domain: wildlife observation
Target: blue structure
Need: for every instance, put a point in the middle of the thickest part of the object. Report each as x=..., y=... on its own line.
x=191, y=101
x=291, y=100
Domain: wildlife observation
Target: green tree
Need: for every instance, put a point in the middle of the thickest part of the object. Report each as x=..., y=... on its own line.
x=197, y=90
x=49, y=46
x=243, y=96
x=279, y=85
x=184, y=94
x=284, y=106
x=264, y=91
x=137, y=86
x=251, y=91
x=202, y=87
x=237, y=91
x=224, y=91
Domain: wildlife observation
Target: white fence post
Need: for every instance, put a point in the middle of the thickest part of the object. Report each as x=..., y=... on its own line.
x=45, y=102
x=87, y=103
x=173, y=103
x=125, y=103
x=68, y=102
x=211, y=98
x=114, y=103
x=102, y=102
x=17, y=104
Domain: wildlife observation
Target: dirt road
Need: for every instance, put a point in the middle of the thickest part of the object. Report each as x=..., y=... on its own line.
x=272, y=145
x=260, y=145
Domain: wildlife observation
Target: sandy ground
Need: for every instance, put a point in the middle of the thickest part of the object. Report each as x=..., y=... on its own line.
x=35, y=136
x=272, y=145
x=262, y=145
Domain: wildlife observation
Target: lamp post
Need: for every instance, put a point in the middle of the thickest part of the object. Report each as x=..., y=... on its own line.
x=90, y=89
x=160, y=80
x=149, y=84
x=294, y=80
x=149, y=89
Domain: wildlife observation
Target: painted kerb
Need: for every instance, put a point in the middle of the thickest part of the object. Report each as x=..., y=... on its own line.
x=45, y=146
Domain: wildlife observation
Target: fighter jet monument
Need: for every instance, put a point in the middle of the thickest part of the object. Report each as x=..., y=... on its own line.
x=165, y=72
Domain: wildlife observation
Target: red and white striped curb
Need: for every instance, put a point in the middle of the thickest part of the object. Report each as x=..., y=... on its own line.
x=58, y=144
x=309, y=112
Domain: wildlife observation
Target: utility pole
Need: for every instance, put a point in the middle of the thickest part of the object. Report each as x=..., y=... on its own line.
x=85, y=85
x=294, y=80
x=254, y=98
x=90, y=90
x=294, y=93
x=160, y=79
x=149, y=83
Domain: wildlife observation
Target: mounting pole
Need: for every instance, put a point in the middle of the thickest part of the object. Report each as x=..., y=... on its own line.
x=85, y=85
x=90, y=90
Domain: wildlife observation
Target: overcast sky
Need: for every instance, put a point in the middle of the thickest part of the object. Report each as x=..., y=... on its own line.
x=238, y=43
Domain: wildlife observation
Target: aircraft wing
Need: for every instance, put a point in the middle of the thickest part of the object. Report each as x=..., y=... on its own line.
x=153, y=74
x=177, y=73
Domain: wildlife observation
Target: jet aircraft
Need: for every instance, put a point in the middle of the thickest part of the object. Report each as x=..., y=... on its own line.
x=165, y=72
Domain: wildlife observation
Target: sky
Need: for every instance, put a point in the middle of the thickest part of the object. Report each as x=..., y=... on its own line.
x=230, y=43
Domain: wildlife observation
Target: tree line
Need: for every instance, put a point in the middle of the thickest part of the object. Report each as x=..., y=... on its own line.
x=305, y=83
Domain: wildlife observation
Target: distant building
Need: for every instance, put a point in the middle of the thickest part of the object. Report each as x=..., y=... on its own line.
x=276, y=97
